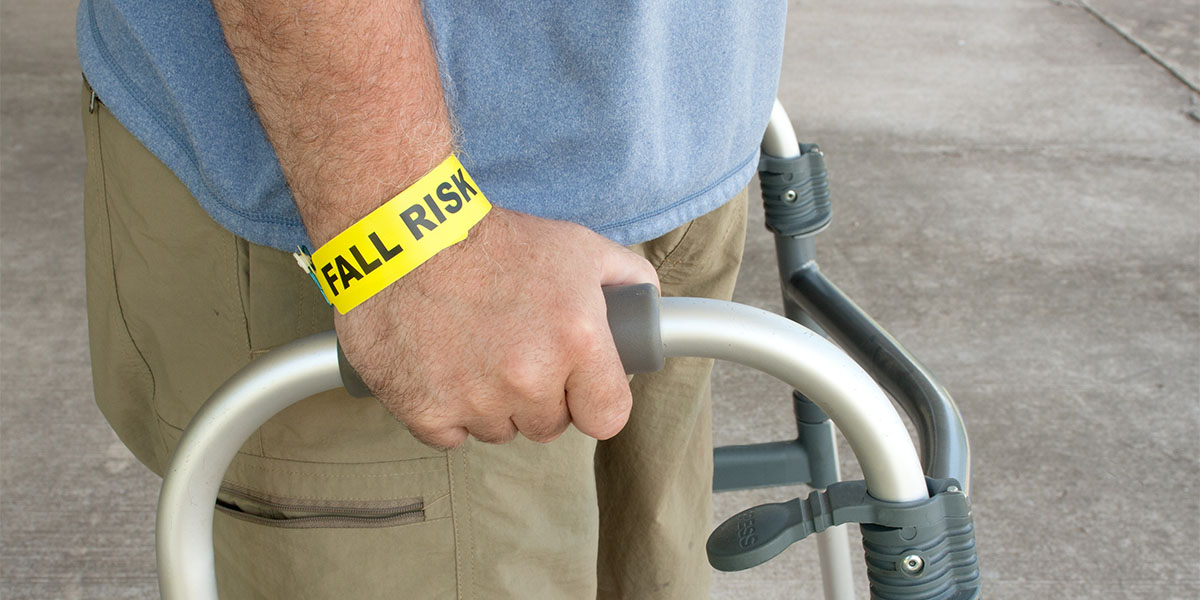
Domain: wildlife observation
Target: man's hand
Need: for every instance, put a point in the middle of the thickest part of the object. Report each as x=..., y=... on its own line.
x=503, y=333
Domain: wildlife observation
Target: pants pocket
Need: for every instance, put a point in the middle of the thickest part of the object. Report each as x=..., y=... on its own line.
x=308, y=513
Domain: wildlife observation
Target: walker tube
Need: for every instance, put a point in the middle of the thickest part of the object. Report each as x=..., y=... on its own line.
x=945, y=451
x=780, y=137
x=184, y=529
x=814, y=366
x=814, y=301
x=690, y=327
x=833, y=544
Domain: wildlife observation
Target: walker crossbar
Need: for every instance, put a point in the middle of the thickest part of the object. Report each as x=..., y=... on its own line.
x=689, y=327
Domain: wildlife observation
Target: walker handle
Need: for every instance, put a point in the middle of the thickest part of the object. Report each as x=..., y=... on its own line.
x=632, y=318
x=697, y=327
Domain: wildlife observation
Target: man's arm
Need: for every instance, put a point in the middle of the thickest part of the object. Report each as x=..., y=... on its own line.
x=505, y=331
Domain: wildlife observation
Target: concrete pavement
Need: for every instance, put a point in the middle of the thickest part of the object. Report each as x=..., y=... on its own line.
x=1017, y=198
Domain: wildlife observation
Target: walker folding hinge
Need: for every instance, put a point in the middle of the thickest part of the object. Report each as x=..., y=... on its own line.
x=921, y=550
x=795, y=192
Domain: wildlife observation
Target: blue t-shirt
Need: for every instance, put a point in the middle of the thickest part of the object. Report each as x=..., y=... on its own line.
x=630, y=118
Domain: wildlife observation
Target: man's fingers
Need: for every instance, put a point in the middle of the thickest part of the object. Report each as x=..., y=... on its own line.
x=485, y=415
x=543, y=422
x=443, y=438
x=509, y=362
x=598, y=393
x=493, y=430
x=621, y=266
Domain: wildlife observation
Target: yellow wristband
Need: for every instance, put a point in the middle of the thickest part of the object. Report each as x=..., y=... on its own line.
x=433, y=214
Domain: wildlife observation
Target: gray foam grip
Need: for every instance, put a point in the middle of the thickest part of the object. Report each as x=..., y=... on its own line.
x=632, y=317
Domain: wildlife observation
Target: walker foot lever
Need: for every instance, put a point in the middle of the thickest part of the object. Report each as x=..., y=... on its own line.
x=915, y=551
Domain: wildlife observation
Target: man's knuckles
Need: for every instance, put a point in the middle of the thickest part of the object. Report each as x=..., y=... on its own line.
x=528, y=374
x=441, y=437
x=494, y=433
x=544, y=426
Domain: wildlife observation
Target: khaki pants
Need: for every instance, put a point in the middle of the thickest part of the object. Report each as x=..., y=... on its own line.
x=333, y=498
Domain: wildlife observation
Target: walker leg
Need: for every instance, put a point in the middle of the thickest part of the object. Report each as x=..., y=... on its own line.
x=833, y=548
x=833, y=545
x=795, y=195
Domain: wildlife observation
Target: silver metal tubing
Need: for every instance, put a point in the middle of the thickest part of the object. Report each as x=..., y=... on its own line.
x=945, y=451
x=833, y=550
x=833, y=545
x=690, y=327
x=275, y=381
x=810, y=363
x=780, y=138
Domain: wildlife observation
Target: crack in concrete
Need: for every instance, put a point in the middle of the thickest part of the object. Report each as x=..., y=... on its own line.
x=1139, y=44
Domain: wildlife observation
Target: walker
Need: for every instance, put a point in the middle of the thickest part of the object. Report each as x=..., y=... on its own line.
x=915, y=515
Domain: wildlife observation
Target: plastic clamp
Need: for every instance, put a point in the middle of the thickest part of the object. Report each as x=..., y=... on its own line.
x=915, y=550
x=795, y=192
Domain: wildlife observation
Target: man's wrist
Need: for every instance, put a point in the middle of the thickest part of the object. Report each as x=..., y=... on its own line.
x=330, y=203
x=433, y=214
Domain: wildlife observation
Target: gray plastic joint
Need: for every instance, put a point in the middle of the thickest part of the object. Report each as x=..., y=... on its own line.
x=807, y=412
x=915, y=550
x=815, y=434
x=795, y=192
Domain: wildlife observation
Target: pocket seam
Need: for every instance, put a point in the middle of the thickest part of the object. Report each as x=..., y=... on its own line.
x=270, y=498
x=666, y=257
x=331, y=522
x=95, y=117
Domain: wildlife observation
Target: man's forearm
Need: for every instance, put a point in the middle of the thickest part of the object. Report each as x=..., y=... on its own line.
x=349, y=95
x=351, y=99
